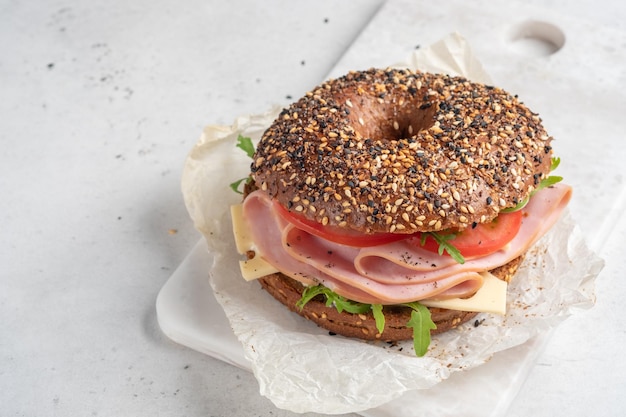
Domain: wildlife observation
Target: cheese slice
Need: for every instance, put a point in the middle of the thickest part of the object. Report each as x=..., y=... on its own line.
x=256, y=267
x=490, y=298
x=243, y=240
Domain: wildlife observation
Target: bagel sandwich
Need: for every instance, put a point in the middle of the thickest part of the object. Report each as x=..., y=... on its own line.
x=391, y=204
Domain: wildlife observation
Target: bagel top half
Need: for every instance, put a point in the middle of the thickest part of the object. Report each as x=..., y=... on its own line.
x=400, y=151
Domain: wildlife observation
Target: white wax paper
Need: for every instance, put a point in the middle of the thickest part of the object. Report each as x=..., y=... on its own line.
x=299, y=366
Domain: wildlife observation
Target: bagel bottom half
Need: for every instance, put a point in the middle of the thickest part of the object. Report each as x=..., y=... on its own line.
x=363, y=326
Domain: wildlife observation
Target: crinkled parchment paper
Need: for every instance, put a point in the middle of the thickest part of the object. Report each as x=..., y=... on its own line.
x=299, y=366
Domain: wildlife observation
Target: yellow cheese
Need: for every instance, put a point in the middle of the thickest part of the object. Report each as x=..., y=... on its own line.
x=256, y=267
x=240, y=229
x=491, y=298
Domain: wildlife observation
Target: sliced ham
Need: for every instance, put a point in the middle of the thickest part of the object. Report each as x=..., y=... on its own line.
x=393, y=273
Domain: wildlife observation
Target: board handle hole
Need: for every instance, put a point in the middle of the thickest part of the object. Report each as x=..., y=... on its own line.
x=537, y=38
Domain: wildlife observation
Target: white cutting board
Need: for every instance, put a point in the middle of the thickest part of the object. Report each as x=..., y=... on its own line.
x=573, y=90
x=189, y=314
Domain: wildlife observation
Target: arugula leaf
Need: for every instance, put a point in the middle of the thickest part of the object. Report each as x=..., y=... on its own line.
x=332, y=299
x=246, y=144
x=235, y=185
x=422, y=324
x=308, y=294
x=547, y=182
x=377, y=312
x=342, y=304
x=556, y=161
x=444, y=244
x=420, y=321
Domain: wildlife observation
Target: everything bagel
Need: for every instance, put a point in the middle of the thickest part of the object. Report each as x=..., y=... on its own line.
x=400, y=151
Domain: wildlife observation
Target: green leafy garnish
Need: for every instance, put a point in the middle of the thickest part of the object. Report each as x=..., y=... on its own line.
x=420, y=321
x=544, y=183
x=379, y=317
x=235, y=185
x=332, y=299
x=422, y=324
x=444, y=244
x=547, y=182
x=246, y=144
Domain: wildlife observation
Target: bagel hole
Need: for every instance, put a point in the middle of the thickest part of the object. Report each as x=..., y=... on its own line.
x=388, y=124
x=412, y=121
x=537, y=38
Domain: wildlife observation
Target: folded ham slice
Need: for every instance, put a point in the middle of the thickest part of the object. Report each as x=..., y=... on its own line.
x=393, y=273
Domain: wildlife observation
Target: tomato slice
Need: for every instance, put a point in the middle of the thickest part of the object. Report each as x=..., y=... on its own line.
x=336, y=234
x=481, y=240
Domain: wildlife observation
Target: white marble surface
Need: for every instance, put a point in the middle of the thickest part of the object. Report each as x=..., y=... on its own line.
x=101, y=101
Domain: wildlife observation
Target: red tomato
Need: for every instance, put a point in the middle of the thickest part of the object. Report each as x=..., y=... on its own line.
x=483, y=239
x=338, y=234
